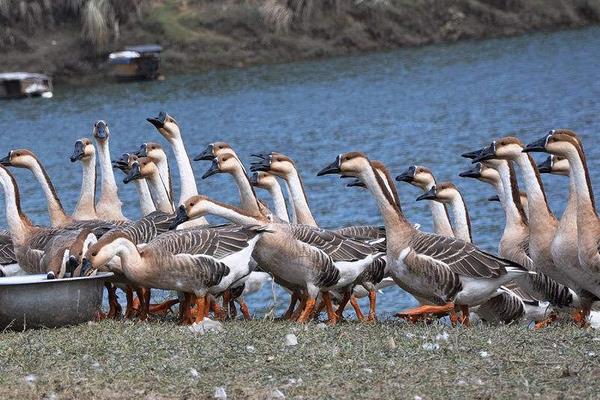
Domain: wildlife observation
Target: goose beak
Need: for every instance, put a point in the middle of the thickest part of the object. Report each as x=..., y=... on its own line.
x=407, y=176
x=159, y=121
x=471, y=155
x=472, y=173
x=134, y=173
x=546, y=166
x=207, y=154
x=181, y=217
x=85, y=266
x=537, y=146
x=485, y=154
x=6, y=160
x=78, y=153
x=429, y=195
x=262, y=164
x=494, y=198
x=143, y=151
x=356, y=183
x=253, y=179
x=333, y=168
x=214, y=169
x=121, y=163
x=72, y=264
x=51, y=275
x=101, y=130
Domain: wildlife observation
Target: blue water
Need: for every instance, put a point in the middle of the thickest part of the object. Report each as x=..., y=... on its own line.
x=412, y=106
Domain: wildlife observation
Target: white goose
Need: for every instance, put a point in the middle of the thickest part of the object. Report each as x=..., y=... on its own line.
x=86, y=205
x=144, y=168
x=145, y=198
x=155, y=152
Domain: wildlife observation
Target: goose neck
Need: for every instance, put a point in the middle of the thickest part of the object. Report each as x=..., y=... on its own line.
x=186, y=174
x=55, y=208
x=462, y=222
x=87, y=197
x=158, y=191
x=540, y=216
x=146, y=203
x=278, y=202
x=299, y=199
x=248, y=200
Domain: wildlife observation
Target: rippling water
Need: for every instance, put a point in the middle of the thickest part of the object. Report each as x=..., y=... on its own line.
x=412, y=106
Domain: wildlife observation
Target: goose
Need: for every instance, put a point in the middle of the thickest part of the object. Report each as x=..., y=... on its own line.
x=423, y=178
x=566, y=143
x=284, y=167
x=155, y=152
x=264, y=180
x=198, y=261
x=145, y=168
x=86, y=205
x=543, y=224
x=443, y=271
x=109, y=205
x=124, y=164
x=8, y=260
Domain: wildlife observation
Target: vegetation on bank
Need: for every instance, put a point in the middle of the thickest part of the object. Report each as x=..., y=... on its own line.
x=389, y=359
x=71, y=38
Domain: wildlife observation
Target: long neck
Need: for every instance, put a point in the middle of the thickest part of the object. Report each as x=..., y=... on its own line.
x=441, y=220
x=232, y=214
x=108, y=183
x=132, y=262
x=570, y=214
x=158, y=190
x=540, y=216
x=86, y=205
x=299, y=200
x=186, y=174
x=146, y=203
x=293, y=216
x=18, y=223
x=55, y=208
x=462, y=222
x=165, y=174
x=278, y=201
x=509, y=196
x=248, y=200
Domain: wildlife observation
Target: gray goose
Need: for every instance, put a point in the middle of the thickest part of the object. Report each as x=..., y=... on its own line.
x=444, y=271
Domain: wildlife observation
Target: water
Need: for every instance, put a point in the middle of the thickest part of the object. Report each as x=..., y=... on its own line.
x=412, y=106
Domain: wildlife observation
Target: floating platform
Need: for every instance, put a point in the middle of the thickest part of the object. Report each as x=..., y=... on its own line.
x=14, y=85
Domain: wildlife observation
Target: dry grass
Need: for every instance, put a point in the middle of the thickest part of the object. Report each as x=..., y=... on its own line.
x=250, y=360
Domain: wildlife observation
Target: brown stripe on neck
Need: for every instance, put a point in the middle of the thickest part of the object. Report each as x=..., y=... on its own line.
x=24, y=218
x=539, y=179
x=579, y=146
x=515, y=194
x=49, y=182
x=394, y=202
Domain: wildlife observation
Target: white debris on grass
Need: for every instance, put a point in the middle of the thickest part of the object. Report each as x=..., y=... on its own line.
x=277, y=394
x=484, y=354
x=368, y=370
x=250, y=349
x=391, y=344
x=594, y=319
x=442, y=336
x=194, y=372
x=31, y=379
x=291, y=339
x=220, y=393
x=321, y=325
x=207, y=325
x=431, y=346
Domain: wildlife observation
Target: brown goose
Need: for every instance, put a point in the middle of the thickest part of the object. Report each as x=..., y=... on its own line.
x=86, y=205
x=441, y=270
x=267, y=181
x=155, y=152
x=145, y=168
x=124, y=164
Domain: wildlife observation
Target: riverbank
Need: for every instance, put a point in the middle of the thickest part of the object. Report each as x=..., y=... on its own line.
x=251, y=360
x=203, y=35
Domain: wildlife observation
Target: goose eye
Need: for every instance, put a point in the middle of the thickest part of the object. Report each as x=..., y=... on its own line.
x=94, y=254
x=192, y=204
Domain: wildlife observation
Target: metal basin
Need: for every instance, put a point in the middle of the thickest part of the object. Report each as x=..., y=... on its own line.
x=32, y=301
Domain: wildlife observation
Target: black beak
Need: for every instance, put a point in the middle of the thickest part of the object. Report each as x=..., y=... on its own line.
x=474, y=172
x=72, y=264
x=85, y=266
x=429, y=195
x=78, y=153
x=333, y=168
x=207, y=154
x=356, y=183
x=159, y=121
x=487, y=153
x=51, y=275
x=214, y=169
x=537, y=146
x=143, y=151
x=471, y=155
x=6, y=160
x=122, y=163
x=262, y=164
x=546, y=166
x=134, y=173
x=101, y=130
x=180, y=217
x=253, y=179
x=407, y=176
x=494, y=198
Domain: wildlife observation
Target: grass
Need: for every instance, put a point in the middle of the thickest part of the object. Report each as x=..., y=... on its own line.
x=250, y=360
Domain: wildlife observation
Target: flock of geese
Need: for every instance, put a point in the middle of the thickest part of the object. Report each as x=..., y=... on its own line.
x=544, y=265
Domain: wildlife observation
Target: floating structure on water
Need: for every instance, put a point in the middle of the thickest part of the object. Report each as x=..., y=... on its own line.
x=24, y=84
x=137, y=62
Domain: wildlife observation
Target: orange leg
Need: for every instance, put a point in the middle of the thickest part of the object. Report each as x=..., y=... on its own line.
x=580, y=316
x=300, y=309
x=318, y=309
x=339, y=313
x=453, y=317
x=332, y=318
x=218, y=311
x=226, y=301
x=415, y=313
x=244, y=309
x=464, y=310
x=310, y=305
x=200, y=305
x=548, y=321
x=357, y=310
x=114, y=308
x=162, y=308
x=290, y=311
x=372, y=305
x=129, y=311
x=141, y=294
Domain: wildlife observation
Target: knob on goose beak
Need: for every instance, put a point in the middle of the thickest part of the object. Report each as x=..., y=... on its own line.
x=537, y=146
x=101, y=130
x=474, y=172
x=214, y=169
x=486, y=153
x=356, y=183
x=408, y=175
x=159, y=121
x=546, y=166
x=134, y=173
x=431, y=194
x=78, y=153
x=333, y=168
x=6, y=160
x=471, y=154
x=207, y=154
x=51, y=275
x=181, y=217
x=494, y=198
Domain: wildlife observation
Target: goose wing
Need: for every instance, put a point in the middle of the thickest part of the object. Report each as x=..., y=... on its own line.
x=338, y=247
x=204, y=270
x=149, y=227
x=97, y=227
x=7, y=250
x=362, y=232
x=460, y=257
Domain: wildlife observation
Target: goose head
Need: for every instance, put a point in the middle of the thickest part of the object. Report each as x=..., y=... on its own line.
x=350, y=164
x=418, y=176
x=20, y=158
x=166, y=126
x=125, y=162
x=99, y=253
x=559, y=142
x=276, y=163
x=84, y=150
x=140, y=169
x=483, y=173
x=194, y=207
x=213, y=150
x=153, y=151
x=101, y=131
x=443, y=192
x=74, y=254
x=557, y=165
x=506, y=148
x=223, y=163
x=263, y=180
